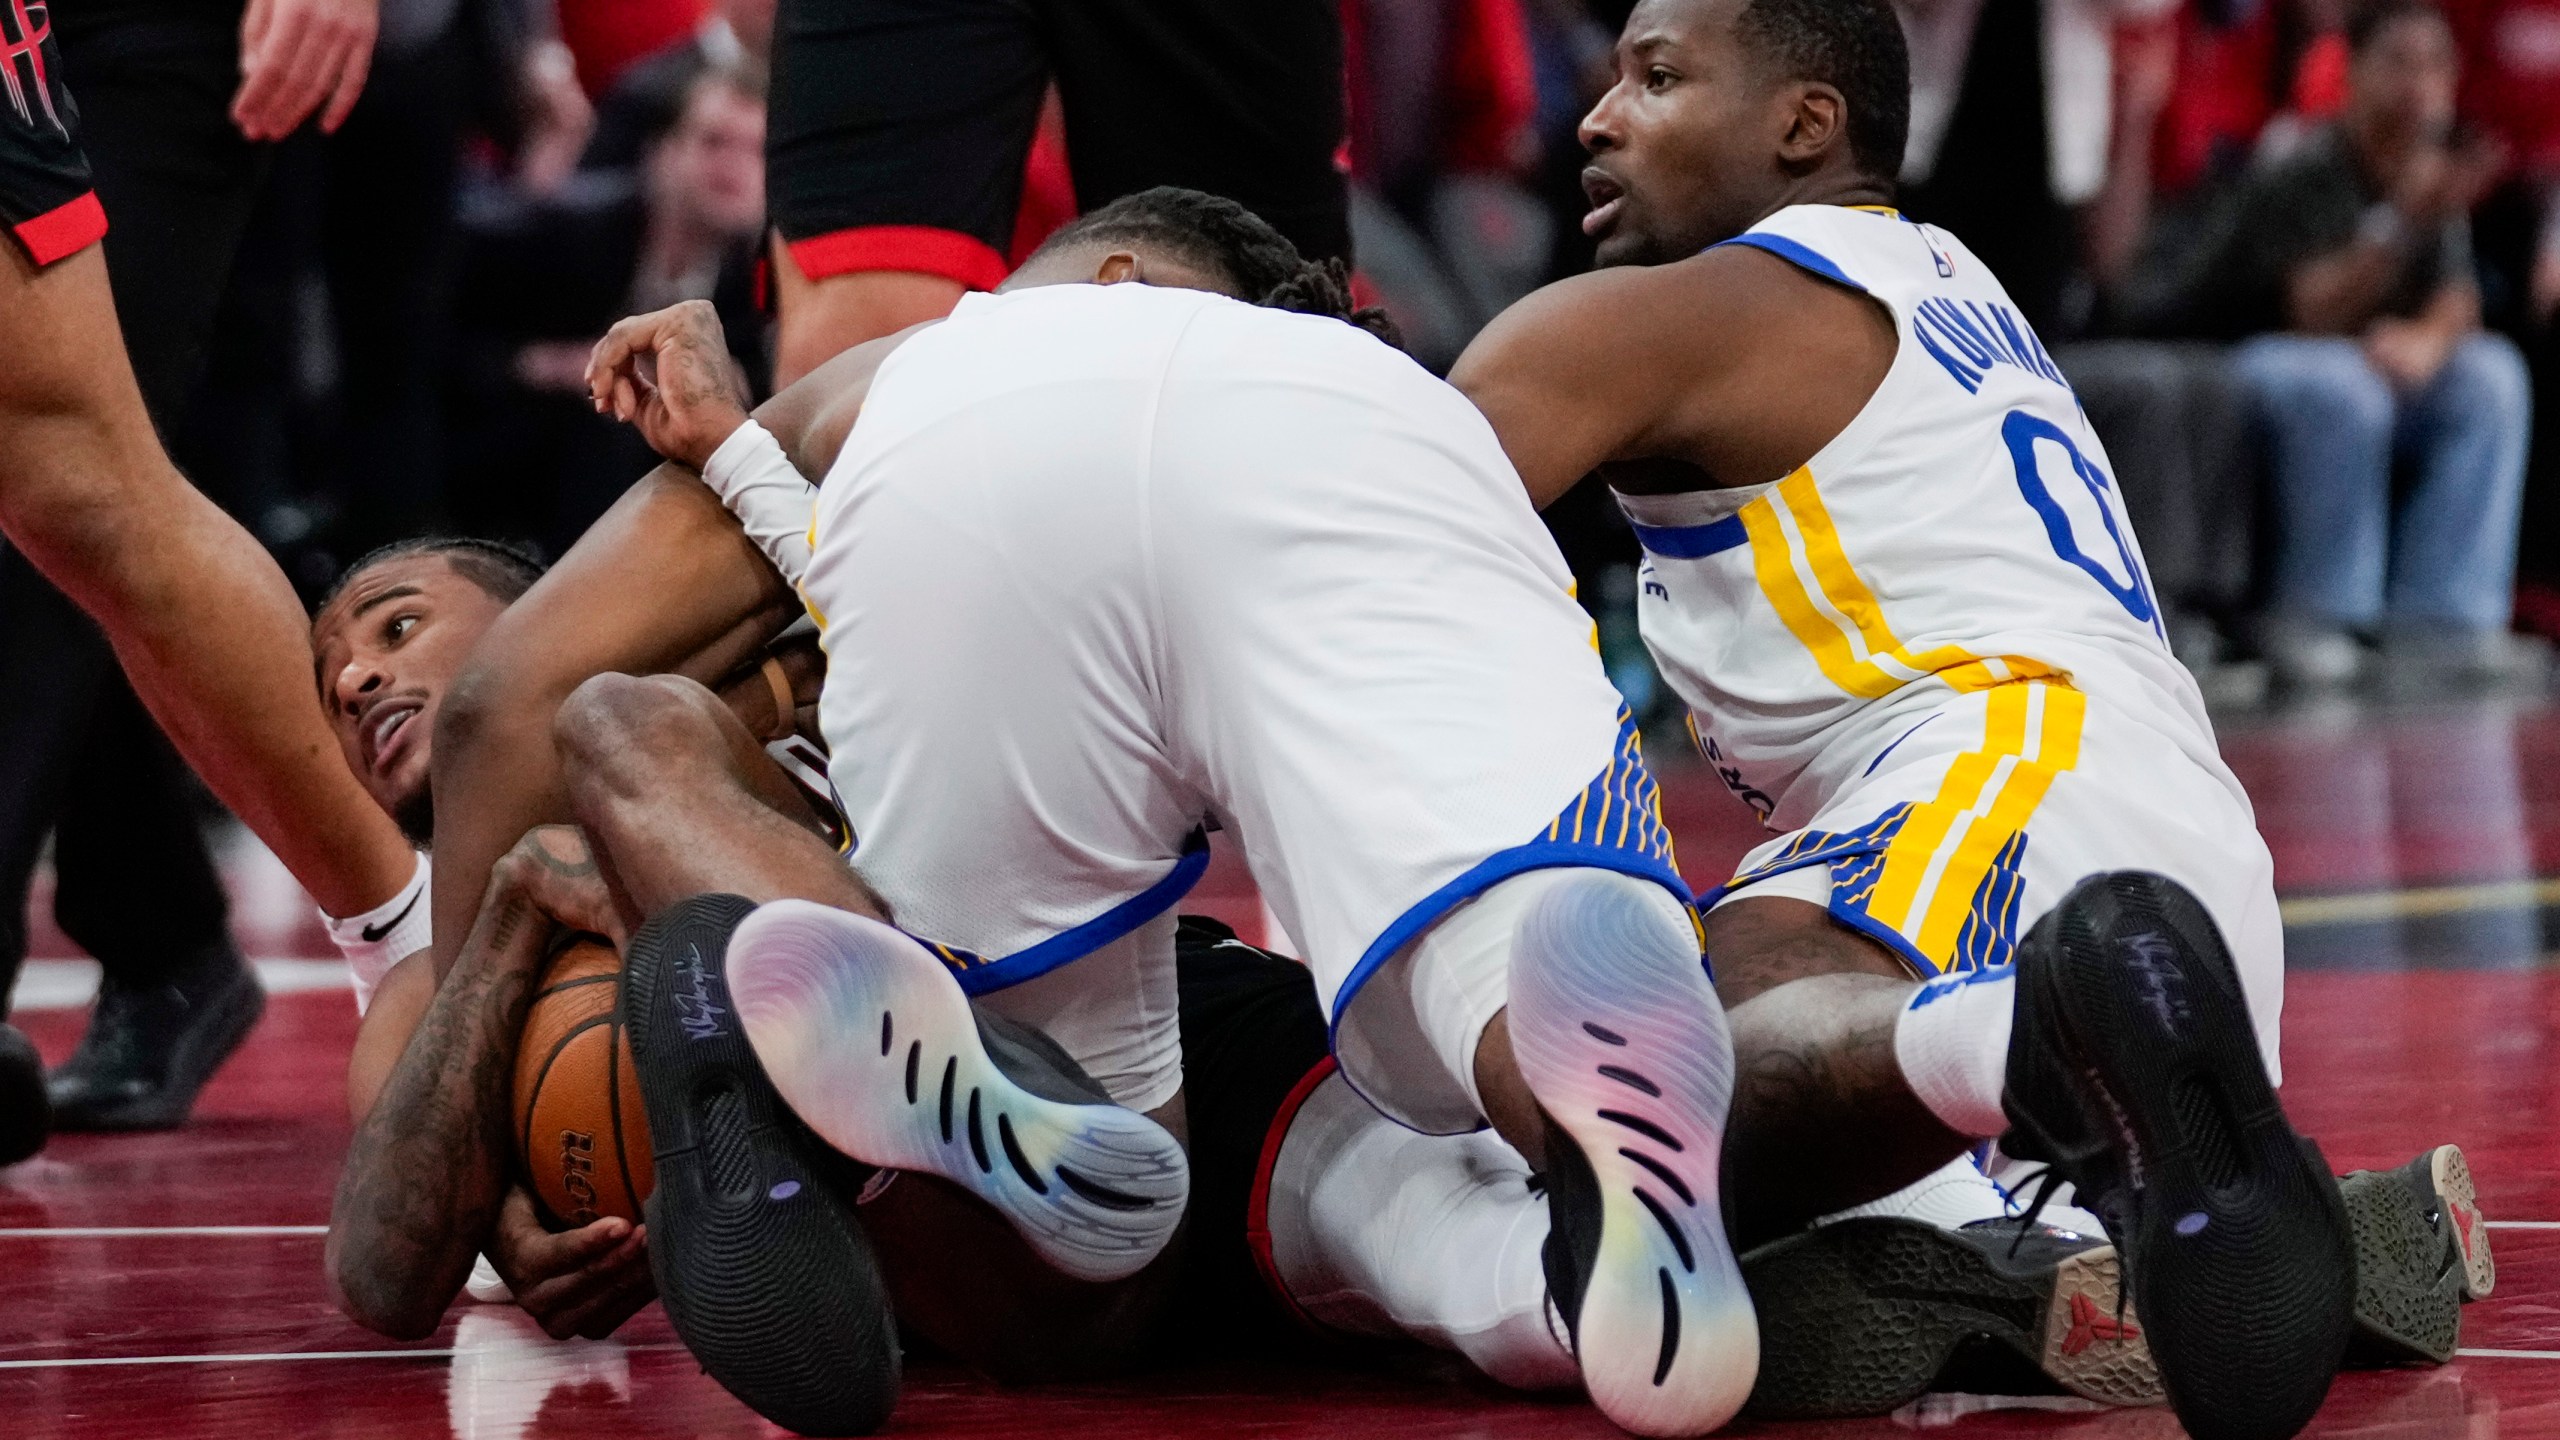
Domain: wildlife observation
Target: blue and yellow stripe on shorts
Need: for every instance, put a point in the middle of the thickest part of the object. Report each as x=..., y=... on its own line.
x=1936, y=879
x=1614, y=824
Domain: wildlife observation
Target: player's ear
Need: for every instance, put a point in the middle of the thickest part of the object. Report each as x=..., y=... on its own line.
x=1817, y=124
x=1118, y=266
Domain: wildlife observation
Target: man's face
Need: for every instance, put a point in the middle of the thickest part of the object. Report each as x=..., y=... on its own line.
x=712, y=163
x=2402, y=84
x=1683, y=147
x=385, y=649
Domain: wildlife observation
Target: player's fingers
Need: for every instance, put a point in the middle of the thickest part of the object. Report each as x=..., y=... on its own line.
x=263, y=73
x=569, y=1301
x=352, y=72
x=571, y=1251
x=309, y=69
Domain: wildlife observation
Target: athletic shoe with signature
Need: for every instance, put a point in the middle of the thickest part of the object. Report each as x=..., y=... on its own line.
x=2135, y=1075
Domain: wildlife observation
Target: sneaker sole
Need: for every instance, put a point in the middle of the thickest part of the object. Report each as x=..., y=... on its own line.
x=2239, y=1254
x=2419, y=1257
x=2452, y=1175
x=1623, y=1043
x=764, y=1269
x=869, y=1040
x=1861, y=1317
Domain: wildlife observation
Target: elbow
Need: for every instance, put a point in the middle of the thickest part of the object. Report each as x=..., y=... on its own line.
x=377, y=1301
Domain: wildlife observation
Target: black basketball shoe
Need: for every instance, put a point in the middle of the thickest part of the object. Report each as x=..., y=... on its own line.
x=25, y=1115
x=2134, y=1074
x=763, y=1266
x=150, y=1048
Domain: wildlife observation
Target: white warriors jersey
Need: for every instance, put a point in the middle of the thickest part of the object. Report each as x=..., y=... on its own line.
x=1963, y=532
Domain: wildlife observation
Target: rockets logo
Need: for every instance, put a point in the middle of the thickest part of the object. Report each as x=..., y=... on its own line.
x=25, y=26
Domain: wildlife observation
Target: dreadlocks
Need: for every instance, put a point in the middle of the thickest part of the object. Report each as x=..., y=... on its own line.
x=1222, y=237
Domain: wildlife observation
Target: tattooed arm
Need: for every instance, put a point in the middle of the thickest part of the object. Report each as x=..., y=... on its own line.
x=1822, y=1118
x=429, y=1166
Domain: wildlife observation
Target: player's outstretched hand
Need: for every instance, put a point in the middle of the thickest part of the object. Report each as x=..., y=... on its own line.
x=585, y=1281
x=297, y=56
x=669, y=373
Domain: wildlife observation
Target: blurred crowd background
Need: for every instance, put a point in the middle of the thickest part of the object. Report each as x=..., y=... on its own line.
x=2301, y=259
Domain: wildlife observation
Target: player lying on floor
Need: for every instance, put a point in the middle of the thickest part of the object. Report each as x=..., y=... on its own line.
x=388, y=642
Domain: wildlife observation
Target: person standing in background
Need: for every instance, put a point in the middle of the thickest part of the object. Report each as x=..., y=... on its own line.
x=899, y=129
x=2010, y=132
x=176, y=97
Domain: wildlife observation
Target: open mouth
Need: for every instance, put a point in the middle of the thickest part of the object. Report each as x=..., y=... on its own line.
x=1607, y=198
x=383, y=729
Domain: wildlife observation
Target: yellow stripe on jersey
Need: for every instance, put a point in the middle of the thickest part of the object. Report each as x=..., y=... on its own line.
x=1864, y=657
x=1945, y=847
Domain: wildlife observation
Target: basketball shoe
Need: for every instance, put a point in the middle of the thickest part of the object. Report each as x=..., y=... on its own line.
x=25, y=1115
x=2422, y=1252
x=871, y=1041
x=2134, y=1075
x=761, y=1262
x=1619, y=1035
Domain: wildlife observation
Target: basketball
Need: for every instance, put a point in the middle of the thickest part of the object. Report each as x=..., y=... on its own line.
x=582, y=1135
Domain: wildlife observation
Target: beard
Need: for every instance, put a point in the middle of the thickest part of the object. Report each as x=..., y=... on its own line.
x=416, y=816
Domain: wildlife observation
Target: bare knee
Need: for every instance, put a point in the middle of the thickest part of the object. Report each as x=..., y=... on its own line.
x=1761, y=943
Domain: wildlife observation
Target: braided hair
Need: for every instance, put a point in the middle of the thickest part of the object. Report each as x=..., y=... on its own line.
x=502, y=568
x=1224, y=238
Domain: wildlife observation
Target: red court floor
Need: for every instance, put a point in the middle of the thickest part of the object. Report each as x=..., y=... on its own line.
x=170, y=1285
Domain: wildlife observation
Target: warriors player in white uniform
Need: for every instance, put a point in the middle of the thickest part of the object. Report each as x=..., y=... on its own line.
x=1887, y=569
x=1102, y=562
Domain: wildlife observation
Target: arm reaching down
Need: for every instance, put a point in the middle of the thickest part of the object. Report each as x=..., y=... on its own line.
x=430, y=1161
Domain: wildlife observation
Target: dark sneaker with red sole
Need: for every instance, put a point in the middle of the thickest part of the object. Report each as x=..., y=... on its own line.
x=2134, y=1074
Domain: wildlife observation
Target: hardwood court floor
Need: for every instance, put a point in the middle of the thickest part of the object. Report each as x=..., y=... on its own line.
x=169, y=1285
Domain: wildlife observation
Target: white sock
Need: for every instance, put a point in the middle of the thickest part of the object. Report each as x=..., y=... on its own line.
x=1950, y=1197
x=1378, y=1230
x=1953, y=1045
x=1461, y=973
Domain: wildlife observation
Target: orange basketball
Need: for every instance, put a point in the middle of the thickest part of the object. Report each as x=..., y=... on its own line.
x=581, y=1131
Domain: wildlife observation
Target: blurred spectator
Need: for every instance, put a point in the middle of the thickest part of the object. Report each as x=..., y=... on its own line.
x=2355, y=251
x=608, y=36
x=643, y=101
x=2011, y=127
x=2240, y=64
x=545, y=275
x=1442, y=95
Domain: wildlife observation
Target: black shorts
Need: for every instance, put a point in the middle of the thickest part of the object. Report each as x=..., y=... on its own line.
x=898, y=128
x=45, y=195
x=1253, y=1044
